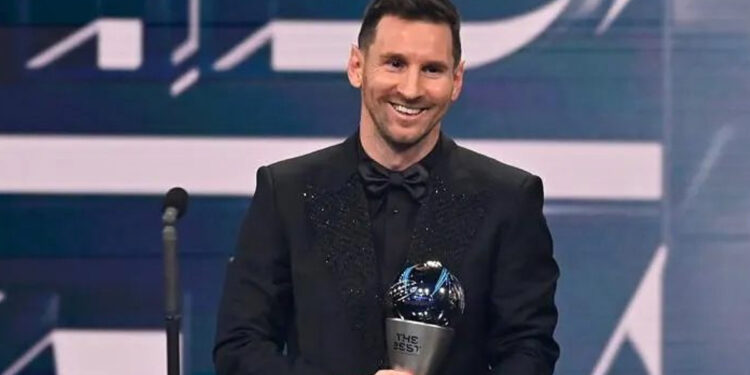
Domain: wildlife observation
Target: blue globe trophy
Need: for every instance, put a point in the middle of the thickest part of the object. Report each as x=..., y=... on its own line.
x=424, y=302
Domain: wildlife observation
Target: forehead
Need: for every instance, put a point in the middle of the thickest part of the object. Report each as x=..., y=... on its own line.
x=416, y=39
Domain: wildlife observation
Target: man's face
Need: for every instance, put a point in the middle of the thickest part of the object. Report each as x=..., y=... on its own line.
x=407, y=78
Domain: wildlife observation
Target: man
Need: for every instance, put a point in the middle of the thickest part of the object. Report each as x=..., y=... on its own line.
x=329, y=231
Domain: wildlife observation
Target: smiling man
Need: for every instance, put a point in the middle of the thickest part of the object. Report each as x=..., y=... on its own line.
x=329, y=232
x=408, y=76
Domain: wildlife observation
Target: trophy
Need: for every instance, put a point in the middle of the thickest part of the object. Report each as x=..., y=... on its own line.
x=424, y=302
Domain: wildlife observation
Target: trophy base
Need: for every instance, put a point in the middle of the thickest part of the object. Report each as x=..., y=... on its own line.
x=416, y=347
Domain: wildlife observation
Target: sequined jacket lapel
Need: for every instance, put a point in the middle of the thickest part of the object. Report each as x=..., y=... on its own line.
x=447, y=221
x=341, y=235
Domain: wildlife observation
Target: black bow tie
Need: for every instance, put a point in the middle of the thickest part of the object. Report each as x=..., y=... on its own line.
x=378, y=179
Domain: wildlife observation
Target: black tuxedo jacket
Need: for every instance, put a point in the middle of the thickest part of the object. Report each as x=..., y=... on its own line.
x=302, y=297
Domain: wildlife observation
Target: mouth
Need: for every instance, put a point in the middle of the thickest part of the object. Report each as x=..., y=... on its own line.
x=408, y=111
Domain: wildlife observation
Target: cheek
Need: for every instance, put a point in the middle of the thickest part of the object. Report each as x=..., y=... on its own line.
x=381, y=83
x=440, y=92
x=376, y=90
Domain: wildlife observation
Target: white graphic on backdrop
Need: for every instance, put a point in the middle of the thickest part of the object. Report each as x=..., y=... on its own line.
x=605, y=170
x=111, y=352
x=119, y=44
x=187, y=49
x=303, y=45
x=612, y=14
x=324, y=45
x=641, y=323
x=589, y=6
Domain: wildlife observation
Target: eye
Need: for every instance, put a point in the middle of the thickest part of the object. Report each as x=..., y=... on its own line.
x=395, y=63
x=431, y=69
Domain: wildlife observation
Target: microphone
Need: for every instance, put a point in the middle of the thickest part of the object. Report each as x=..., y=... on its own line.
x=174, y=207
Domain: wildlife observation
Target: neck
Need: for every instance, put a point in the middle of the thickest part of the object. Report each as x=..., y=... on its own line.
x=396, y=159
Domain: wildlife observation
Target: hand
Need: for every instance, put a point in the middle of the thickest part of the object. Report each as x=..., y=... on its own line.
x=392, y=372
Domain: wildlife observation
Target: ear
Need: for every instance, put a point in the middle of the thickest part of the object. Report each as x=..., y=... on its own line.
x=458, y=80
x=355, y=67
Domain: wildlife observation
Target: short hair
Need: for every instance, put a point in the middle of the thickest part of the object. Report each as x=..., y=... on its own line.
x=436, y=11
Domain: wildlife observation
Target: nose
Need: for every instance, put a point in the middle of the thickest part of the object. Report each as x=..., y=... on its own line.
x=409, y=87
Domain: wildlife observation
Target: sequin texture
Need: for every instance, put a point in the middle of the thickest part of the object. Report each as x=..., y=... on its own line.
x=342, y=236
x=446, y=224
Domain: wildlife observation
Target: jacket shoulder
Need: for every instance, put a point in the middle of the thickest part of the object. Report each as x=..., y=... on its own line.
x=325, y=160
x=487, y=172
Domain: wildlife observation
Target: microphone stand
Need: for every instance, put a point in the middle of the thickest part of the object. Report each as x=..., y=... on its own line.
x=173, y=311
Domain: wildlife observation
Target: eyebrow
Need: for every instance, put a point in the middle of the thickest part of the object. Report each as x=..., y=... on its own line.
x=394, y=55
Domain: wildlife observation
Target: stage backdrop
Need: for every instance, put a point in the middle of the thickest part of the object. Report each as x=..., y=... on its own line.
x=634, y=112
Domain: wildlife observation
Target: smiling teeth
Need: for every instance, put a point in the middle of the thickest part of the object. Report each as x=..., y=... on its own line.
x=406, y=110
